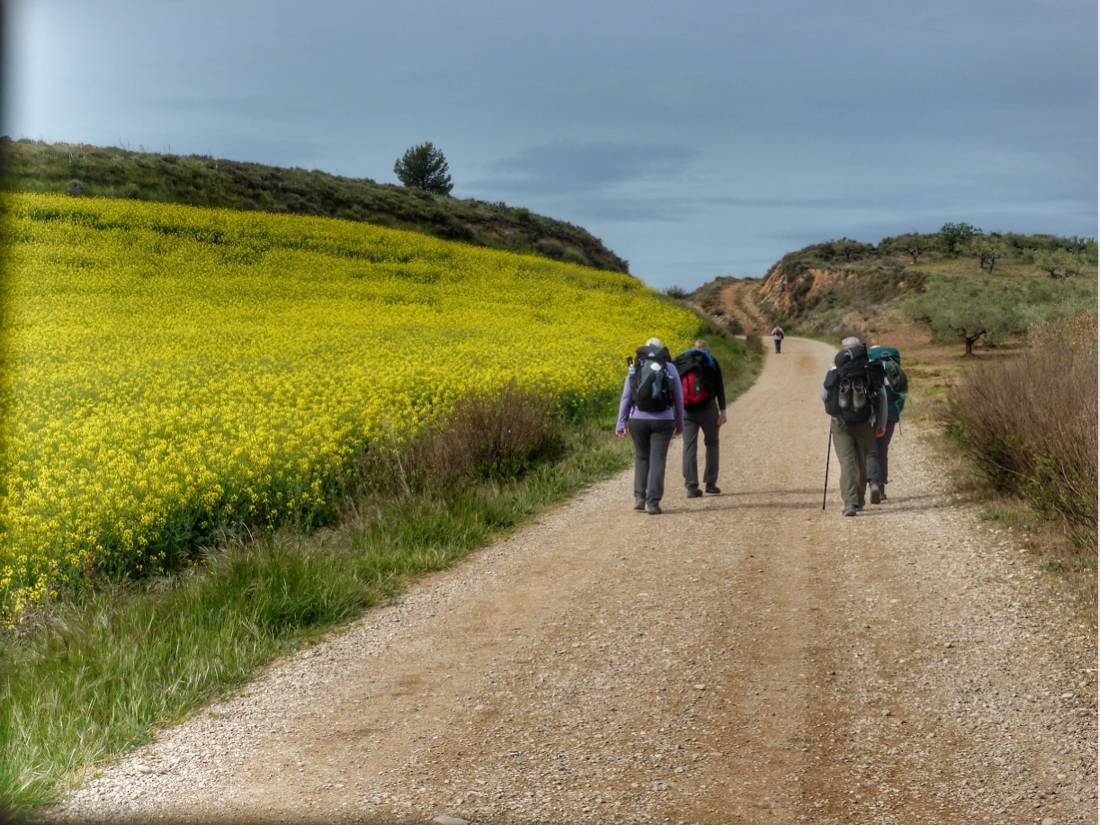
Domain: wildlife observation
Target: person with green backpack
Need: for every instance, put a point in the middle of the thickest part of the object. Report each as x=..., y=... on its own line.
x=855, y=401
x=897, y=390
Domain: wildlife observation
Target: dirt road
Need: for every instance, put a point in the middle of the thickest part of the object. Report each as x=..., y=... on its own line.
x=744, y=658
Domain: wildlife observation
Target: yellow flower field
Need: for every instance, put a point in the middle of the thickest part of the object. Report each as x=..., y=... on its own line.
x=170, y=369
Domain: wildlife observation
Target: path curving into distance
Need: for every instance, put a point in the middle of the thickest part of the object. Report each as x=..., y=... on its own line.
x=746, y=658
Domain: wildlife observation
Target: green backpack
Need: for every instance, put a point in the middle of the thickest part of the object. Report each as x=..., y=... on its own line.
x=897, y=383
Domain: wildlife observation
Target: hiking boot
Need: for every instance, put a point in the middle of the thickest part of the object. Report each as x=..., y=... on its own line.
x=639, y=504
x=714, y=489
x=882, y=493
x=653, y=508
x=851, y=510
x=876, y=494
x=694, y=492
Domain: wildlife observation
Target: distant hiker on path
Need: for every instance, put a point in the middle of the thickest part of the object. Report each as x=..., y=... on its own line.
x=897, y=389
x=704, y=409
x=854, y=396
x=777, y=336
x=653, y=401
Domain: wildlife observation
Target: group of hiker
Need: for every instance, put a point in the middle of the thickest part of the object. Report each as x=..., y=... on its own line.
x=864, y=394
x=665, y=396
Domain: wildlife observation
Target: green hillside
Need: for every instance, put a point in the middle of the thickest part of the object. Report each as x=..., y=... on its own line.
x=200, y=180
x=959, y=278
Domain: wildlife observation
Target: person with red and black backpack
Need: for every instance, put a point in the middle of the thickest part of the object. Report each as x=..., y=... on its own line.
x=777, y=336
x=704, y=409
x=652, y=409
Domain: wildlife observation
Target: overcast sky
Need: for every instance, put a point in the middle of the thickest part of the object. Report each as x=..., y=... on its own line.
x=695, y=138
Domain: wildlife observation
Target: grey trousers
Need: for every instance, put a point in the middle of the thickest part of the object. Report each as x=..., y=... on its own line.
x=878, y=460
x=651, y=440
x=853, y=444
x=706, y=420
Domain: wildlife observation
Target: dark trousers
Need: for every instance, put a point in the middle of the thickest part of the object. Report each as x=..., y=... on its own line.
x=651, y=440
x=706, y=420
x=853, y=443
x=878, y=460
x=778, y=344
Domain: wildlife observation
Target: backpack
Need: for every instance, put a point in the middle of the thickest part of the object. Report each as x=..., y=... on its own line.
x=696, y=369
x=897, y=382
x=852, y=387
x=778, y=332
x=650, y=380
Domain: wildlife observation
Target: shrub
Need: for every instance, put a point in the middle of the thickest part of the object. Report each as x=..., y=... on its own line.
x=492, y=437
x=679, y=293
x=754, y=343
x=75, y=188
x=1030, y=423
x=550, y=247
x=574, y=256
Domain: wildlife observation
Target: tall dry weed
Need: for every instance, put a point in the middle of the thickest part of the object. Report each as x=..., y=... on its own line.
x=1031, y=423
x=482, y=437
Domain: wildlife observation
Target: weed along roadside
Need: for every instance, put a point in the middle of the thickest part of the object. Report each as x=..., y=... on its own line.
x=95, y=675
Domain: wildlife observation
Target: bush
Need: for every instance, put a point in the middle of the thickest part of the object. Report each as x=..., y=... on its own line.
x=75, y=188
x=484, y=437
x=679, y=293
x=550, y=247
x=754, y=343
x=1030, y=423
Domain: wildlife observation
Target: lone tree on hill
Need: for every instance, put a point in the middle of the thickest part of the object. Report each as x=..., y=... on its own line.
x=424, y=167
x=956, y=235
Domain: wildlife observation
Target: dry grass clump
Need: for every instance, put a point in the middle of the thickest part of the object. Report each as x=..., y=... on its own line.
x=1031, y=423
x=482, y=438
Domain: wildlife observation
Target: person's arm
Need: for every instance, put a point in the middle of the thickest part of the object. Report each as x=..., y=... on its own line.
x=624, y=408
x=721, y=394
x=881, y=413
x=721, y=387
x=678, y=398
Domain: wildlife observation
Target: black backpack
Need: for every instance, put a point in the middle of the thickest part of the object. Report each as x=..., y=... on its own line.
x=650, y=380
x=852, y=388
x=697, y=375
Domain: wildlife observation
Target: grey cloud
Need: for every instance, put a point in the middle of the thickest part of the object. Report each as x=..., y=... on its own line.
x=587, y=167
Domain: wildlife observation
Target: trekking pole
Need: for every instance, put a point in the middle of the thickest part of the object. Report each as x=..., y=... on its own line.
x=828, y=452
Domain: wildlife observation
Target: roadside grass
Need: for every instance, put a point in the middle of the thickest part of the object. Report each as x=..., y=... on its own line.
x=97, y=675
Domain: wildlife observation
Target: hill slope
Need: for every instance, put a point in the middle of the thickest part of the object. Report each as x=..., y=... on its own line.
x=845, y=286
x=200, y=180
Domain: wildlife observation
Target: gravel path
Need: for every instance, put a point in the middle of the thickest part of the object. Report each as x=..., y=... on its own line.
x=744, y=658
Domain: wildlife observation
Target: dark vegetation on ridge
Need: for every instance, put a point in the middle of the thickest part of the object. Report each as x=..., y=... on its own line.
x=200, y=180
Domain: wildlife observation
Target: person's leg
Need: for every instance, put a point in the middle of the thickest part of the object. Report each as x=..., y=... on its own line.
x=776, y=344
x=884, y=453
x=691, y=461
x=639, y=434
x=659, y=439
x=864, y=437
x=709, y=425
x=847, y=455
x=877, y=463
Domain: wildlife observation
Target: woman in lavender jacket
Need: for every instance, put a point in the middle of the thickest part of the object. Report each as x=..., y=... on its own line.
x=651, y=433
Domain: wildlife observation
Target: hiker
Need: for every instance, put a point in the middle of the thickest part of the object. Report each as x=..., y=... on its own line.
x=897, y=390
x=777, y=336
x=653, y=401
x=704, y=409
x=854, y=397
